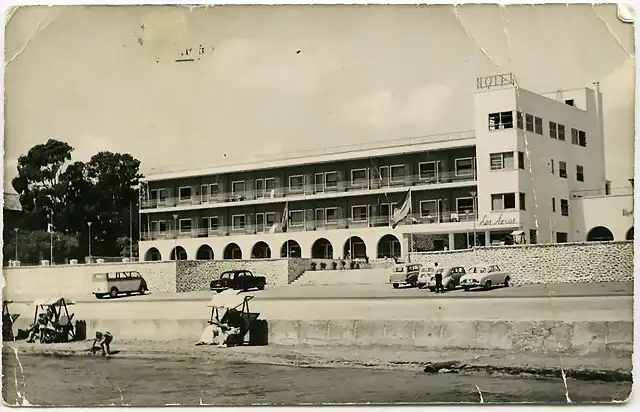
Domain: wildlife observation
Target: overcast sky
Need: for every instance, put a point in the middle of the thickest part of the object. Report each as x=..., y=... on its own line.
x=274, y=79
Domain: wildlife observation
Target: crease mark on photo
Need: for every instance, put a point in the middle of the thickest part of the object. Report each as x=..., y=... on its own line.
x=22, y=398
x=593, y=7
x=37, y=30
x=470, y=36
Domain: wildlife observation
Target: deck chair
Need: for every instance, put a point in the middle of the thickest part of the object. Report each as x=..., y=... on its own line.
x=67, y=331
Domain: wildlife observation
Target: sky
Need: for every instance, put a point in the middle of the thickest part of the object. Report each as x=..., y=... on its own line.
x=275, y=79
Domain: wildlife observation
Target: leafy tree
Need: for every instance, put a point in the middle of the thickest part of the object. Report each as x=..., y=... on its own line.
x=123, y=244
x=34, y=246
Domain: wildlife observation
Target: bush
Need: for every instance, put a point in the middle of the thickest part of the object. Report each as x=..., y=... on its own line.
x=323, y=265
x=313, y=265
x=343, y=263
x=352, y=265
x=357, y=265
x=335, y=265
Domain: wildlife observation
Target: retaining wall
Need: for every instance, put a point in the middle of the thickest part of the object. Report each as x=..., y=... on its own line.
x=73, y=280
x=547, y=263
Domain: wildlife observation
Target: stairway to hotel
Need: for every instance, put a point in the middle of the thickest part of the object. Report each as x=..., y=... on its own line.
x=343, y=277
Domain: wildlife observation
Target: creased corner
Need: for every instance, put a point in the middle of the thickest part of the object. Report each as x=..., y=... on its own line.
x=21, y=397
x=456, y=11
x=480, y=393
x=42, y=25
x=626, y=13
x=615, y=37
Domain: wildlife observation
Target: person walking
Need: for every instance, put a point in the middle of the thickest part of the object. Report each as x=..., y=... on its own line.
x=438, y=276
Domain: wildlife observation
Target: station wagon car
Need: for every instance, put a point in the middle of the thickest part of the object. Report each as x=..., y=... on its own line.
x=484, y=276
x=405, y=274
x=451, y=276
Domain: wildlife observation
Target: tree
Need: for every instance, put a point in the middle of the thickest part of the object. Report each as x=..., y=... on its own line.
x=123, y=245
x=34, y=246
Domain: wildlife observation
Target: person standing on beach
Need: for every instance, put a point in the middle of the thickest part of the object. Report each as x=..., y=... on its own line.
x=103, y=340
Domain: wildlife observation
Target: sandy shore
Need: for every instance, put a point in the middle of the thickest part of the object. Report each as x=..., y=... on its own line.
x=607, y=366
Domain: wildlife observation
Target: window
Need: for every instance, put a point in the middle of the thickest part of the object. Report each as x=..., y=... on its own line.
x=319, y=182
x=569, y=102
x=464, y=166
x=523, y=201
x=162, y=226
x=562, y=237
x=397, y=173
x=185, y=193
x=331, y=180
x=331, y=215
x=561, y=132
x=538, y=125
x=574, y=136
x=528, y=122
x=358, y=177
x=427, y=171
x=429, y=209
x=158, y=195
x=502, y=120
x=520, y=121
x=564, y=207
x=237, y=222
x=579, y=173
x=207, y=192
x=503, y=201
x=582, y=138
x=153, y=226
x=562, y=169
x=185, y=225
x=265, y=186
x=533, y=236
x=553, y=204
x=238, y=187
x=501, y=161
x=553, y=130
x=521, y=160
x=464, y=204
x=552, y=167
x=296, y=218
x=264, y=221
x=359, y=213
x=386, y=211
x=296, y=183
x=214, y=223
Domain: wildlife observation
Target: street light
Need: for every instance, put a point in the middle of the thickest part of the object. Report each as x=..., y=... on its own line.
x=89, y=225
x=16, y=230
x=175, y=236
x=473, y=195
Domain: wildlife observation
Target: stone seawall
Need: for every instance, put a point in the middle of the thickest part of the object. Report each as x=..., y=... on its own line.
x=547, y=263
x=42, y=281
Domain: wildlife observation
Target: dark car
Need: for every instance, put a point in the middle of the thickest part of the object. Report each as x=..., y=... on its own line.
x=238, y=280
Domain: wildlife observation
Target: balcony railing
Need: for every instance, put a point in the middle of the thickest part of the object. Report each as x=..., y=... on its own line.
x=310, y=226
x=614, y=191
x=342, y=186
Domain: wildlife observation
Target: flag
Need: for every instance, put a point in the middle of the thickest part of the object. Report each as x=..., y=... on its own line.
x=401, y=213
x=284, y=222
x=49, y=227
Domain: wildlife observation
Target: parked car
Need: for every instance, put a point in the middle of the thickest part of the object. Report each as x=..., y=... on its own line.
x=426, y=273
x=451, y=276
x=405, y=274
x=116, y=283
x=238, y=280
x=484, y=276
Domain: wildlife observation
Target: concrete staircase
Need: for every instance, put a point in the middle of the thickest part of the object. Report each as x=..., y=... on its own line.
x=343, y=277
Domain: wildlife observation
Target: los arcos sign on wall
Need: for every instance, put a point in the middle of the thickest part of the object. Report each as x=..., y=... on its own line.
x=499, y=220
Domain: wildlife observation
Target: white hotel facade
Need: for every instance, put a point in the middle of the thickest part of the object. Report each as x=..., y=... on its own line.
x=518, y=174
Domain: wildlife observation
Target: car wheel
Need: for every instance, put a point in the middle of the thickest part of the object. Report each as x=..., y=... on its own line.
x=396, y=286
x=487, y=285
x=113, y=293
x=506, y=282
x=466, y=288
x=432, y=289
x=261, y=287
x=99, y=295
x=141, y=290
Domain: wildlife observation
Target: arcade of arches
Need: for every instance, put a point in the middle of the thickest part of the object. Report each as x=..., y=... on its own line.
x=178, y=253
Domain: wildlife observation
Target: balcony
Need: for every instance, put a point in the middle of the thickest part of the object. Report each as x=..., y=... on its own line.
x=311, y=226
x=329, y=189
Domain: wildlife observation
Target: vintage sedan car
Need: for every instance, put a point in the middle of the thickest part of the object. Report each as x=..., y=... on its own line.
x=405, y=274
x=238, y=280
x=451, y=276
x=484, y=276
x=426, y=273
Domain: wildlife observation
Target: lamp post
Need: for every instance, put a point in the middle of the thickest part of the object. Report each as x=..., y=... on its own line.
x=175, y=236
x=89, y=226
x=468, y=214
x=16, y=230
x=130, y=231
x=473, y=195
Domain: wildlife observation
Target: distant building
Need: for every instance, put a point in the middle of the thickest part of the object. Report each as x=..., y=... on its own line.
x=510, y=179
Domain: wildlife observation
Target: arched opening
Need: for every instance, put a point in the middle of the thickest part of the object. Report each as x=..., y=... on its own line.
x=599, y=234
x=178, y=253
x=261, y=251
x=290, y=249
x=389, y=247
x=152, y=254
x=204, y=253
x=629, y=235
x=232, y=251
x=354, y=248
x=322, y=249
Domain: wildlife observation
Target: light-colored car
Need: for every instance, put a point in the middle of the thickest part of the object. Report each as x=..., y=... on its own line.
x=116, y=283
x=426, y=273
x=484, y=276
x=451, y=276
x=405, y=274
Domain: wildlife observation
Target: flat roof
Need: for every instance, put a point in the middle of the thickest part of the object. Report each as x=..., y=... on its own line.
x=337, y=153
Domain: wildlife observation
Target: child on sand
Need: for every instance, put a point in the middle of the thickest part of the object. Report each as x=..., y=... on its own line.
x=103, y=340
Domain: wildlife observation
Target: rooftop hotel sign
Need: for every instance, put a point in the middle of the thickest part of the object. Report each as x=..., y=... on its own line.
x=498, y=221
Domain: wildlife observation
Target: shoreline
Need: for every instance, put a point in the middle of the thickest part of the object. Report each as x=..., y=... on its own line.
x=605, y=366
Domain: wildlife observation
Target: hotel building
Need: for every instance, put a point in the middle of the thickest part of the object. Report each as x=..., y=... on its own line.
x=511, y=177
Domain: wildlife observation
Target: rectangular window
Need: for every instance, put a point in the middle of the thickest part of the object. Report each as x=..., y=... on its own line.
x=331, y=215
x=574, y=136
x=464, y=166
x=579, y=173
x=386, y=210
x=538, y=125
x=553, y=130
x=185, y=225
x=259, y=187
x=319, y=182
x=562, y=237
x=237, y=222
x=520, y=120
x=213, y=190
x=397, y=173
x=427, y=171
x=523, y=201
x=561, y=132
x=528, y=122
x=533, y=236
x=503, y=201
x=582, y=138
x=264, y=221
x=429, y=209
x=296, y=183
x=501, y=161
x=359, y=213
x=564, y=207
x=296, y=218
x=562, y=169
x=500, y=121
x=553, y=204
x=331, y=180
x=204, y=193
x=319, y=216
x=162, y=226
x=552, y=166
x=464, y=205
x=238, y=187
x=153, y=226
x=185, y=193
x=358, y=177
x=214, y=223
x=264, y=186
x=521, y=160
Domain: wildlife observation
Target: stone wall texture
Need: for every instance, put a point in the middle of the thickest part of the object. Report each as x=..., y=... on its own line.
x=194, y=275
x=297, y=267
x=32, y=282
x=590, y=262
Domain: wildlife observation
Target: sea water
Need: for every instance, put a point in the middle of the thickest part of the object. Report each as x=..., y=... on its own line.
x=96, y=381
